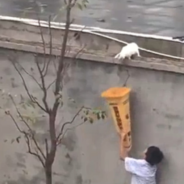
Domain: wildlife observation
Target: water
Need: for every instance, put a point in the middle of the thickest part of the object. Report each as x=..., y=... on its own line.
x=161, y=17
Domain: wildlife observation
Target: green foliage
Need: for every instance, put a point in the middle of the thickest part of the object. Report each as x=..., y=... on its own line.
x=27, y=111
x=22, y=108
x=18, y=139
x=92, y=115
x=82, y=4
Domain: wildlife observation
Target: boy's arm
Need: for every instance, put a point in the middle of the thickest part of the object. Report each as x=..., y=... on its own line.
x=123, y=151
x=131, y=165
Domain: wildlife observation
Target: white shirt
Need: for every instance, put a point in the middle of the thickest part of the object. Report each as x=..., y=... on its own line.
x=142, y=172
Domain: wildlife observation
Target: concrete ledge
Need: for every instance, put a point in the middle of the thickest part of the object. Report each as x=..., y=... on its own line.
x=29, y=31
x=147, y=63
x=24, y=36
x=170, y=47
x=165, y=45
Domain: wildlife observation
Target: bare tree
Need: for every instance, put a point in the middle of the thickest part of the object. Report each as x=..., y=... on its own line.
x=46, y=153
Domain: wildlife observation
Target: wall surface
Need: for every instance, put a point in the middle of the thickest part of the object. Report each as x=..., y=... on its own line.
x=90, y=153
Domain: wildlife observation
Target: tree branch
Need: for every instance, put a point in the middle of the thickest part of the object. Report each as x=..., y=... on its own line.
x=54, y=110
x=55, y=67
x=46, y=147
x=30, y=75
x=66, y=66
x=78, y=52
x=16, y=124
x=25, y=86
x=67, y=123
x=51, y=84
x=77, y=35
x=66, y=130
x=50, y=49
x=27, y=139
x=29, y=128
x=74, y=57
x=33, y=153
x=61, y=61
x=73, y=3
x=42, y=37
x=44, y=90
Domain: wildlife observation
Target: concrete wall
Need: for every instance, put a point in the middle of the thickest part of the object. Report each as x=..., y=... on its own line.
x=20, y=33
x=90, y=153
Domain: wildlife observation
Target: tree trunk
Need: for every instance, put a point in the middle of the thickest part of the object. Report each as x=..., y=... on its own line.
x=48, y=174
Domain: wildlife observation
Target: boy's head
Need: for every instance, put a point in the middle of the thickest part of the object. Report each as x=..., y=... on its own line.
x=153, y=155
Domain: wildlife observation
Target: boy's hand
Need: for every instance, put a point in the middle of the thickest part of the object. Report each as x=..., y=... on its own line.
x=122, y=135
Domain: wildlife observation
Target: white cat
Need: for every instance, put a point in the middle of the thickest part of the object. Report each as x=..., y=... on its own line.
x=128, y=51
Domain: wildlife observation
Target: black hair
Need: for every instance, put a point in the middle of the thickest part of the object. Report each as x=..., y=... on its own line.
x=154, y=155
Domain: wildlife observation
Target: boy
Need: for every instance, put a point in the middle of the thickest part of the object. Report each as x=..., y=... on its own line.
x=143, y=170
